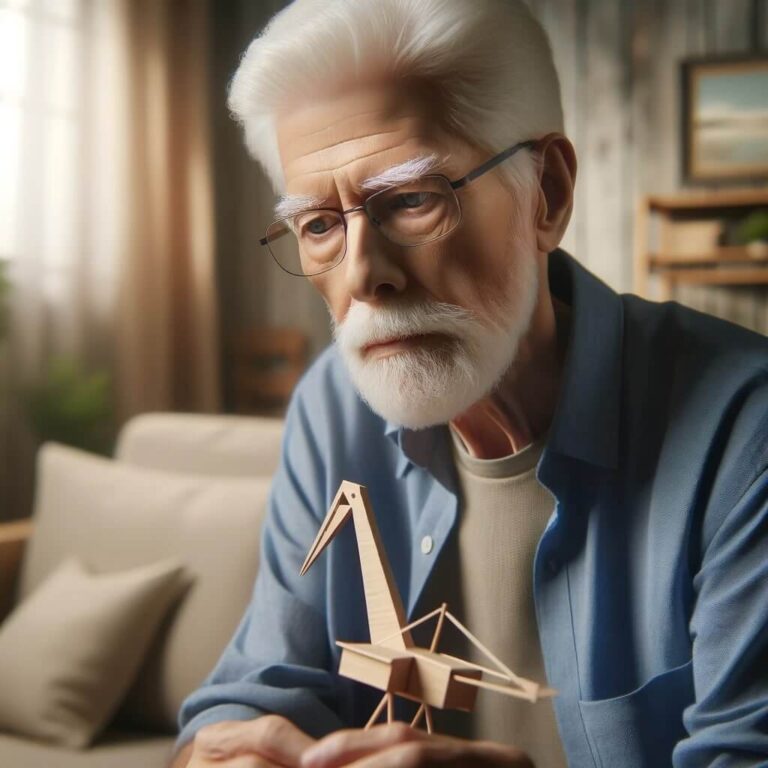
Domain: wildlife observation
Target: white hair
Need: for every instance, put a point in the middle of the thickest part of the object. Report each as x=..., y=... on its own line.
x=489, y=61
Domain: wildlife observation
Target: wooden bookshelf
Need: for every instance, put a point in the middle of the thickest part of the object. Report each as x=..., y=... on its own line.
x=677, y=241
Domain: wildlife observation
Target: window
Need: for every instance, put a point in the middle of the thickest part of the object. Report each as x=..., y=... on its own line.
x=41, y=65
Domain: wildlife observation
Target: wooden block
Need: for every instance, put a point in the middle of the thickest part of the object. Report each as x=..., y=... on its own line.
x=388, y=671
x=432, y=682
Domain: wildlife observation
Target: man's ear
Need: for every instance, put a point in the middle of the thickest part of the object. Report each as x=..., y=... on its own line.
x=557, y=176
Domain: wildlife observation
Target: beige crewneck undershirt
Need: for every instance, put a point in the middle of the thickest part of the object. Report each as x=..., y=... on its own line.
x=504, y=512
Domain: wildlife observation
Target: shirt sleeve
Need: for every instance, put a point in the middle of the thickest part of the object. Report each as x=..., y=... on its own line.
x=728, y=721
x=279, y=658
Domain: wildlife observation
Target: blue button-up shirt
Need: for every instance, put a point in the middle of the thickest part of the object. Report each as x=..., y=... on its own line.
x=650, y=579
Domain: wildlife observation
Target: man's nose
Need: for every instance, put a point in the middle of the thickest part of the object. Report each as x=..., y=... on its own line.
x=372, y=267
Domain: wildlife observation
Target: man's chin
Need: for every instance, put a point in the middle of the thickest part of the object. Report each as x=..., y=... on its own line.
x=408, y=416
x=419, y=388
x=407, y=407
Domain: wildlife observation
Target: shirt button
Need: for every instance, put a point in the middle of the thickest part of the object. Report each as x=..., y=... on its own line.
x=426, y=545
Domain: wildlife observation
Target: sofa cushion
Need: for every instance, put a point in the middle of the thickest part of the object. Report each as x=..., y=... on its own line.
x=112, y=517
x=113, y=750
x=206, y=444
x=70, y=650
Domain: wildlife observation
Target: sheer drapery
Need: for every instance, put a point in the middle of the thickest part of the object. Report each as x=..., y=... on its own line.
x=106, y=219
x=167, y=357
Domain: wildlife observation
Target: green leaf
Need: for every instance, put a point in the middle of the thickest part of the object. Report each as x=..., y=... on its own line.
x=754, y=227
x=72, y=406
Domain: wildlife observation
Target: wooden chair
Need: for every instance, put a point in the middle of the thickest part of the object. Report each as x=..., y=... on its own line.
x=266, y=365
x=13, y=538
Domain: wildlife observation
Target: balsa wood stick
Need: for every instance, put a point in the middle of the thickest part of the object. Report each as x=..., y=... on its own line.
x=418, y=715
x=532, y=697
x=376, y=712
x=409, y=627
x=480, y=668
x=430, y=724
x=438, y=628
x=521, y=681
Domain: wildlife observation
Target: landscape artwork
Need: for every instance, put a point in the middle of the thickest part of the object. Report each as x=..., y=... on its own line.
x=726, y=125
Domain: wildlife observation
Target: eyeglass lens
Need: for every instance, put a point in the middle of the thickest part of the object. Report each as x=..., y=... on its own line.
x=409, y=214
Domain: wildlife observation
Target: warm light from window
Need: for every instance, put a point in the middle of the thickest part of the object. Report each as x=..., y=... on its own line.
x=14, y=33
x=40, y=121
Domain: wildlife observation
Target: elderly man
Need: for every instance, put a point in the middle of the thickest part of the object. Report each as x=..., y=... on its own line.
x=584, y=474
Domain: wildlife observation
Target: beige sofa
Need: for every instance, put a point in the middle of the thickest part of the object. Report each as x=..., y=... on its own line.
x=191, y=487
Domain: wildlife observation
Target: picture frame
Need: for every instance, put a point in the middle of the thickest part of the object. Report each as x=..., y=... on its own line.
x=725, y=119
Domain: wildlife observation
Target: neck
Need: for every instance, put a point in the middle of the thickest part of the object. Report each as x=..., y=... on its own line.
x=521, y=407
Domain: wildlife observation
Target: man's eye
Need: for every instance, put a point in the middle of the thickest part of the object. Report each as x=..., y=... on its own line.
x=410, y=200
x=317, y=226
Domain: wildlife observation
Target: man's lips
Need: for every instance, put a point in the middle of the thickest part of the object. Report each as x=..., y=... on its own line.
x=397, y=344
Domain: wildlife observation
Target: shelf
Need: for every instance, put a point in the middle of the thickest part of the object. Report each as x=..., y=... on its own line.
x=727, y=254
x=695, y=201
x=676, y=240
x=718, y=276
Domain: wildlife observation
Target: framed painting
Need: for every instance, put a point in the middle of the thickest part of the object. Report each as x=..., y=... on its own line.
x=725, y=119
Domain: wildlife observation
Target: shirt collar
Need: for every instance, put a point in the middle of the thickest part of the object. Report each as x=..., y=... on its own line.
x=586, y=421
x=426, y=448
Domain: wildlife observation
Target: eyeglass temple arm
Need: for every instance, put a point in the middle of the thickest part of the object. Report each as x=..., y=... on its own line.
x=492, y=163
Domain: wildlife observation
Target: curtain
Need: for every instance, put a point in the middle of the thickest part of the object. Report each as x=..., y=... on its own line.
x=167, y=354
x=106, y=213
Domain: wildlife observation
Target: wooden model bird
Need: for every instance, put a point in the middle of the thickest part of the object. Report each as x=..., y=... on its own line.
x=392, y=662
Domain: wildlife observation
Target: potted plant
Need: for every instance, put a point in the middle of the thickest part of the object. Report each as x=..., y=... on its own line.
x=752, y=232
x=72, y=406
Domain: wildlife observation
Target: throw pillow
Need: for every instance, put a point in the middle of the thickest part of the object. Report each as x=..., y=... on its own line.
x=70, y=650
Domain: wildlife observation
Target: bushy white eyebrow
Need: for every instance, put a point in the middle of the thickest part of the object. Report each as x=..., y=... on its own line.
x=290, y=205
x=402, y=173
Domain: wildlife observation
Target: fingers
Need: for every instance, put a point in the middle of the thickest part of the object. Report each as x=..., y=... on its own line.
x=274, y=742
x=244, y=761
x=399, y=746
x=344, y=747
x=271, y=738
x=448, y=753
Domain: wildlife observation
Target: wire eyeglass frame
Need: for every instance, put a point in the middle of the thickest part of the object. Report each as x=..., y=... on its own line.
x=455, y=185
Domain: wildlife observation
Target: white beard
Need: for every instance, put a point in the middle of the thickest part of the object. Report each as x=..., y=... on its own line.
x=425, y=386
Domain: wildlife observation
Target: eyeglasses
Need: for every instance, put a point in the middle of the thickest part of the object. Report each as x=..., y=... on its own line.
x=411, y=214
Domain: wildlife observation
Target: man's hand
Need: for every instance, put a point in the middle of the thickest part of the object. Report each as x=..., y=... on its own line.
x=268, y=742
x=398, y=746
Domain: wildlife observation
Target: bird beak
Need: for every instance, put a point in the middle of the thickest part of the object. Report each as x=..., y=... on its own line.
x=336, y=517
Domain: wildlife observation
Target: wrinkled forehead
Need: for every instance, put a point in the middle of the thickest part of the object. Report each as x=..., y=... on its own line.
x=334, y=142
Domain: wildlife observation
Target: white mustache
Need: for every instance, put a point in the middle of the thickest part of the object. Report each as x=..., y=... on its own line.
x=365, y=325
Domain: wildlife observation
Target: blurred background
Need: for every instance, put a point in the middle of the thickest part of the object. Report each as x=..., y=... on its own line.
x=131, y=278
